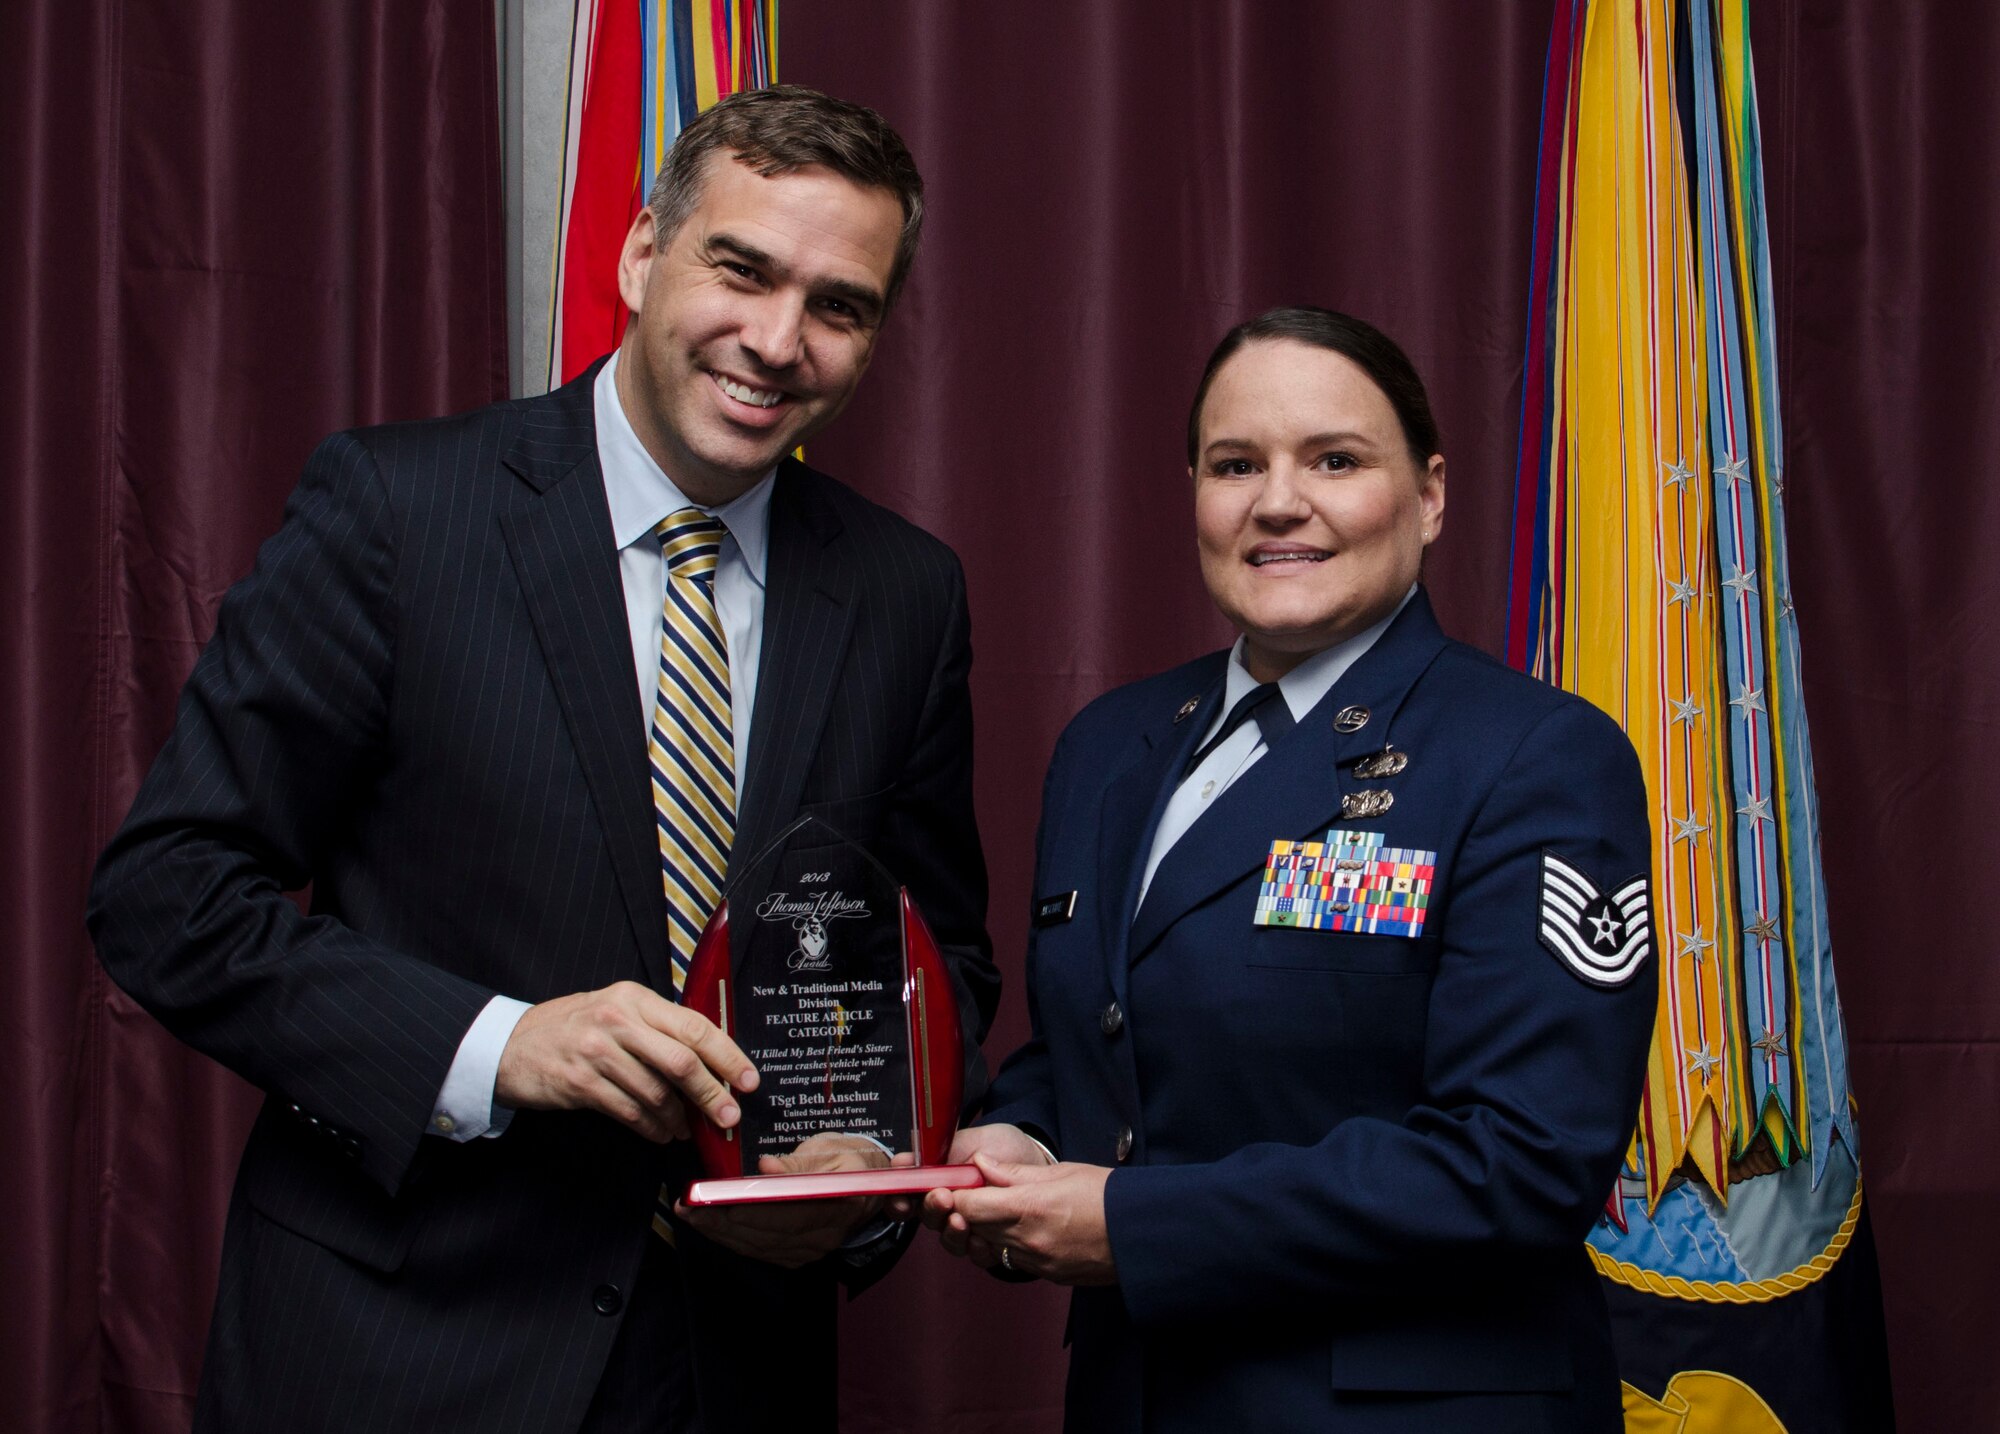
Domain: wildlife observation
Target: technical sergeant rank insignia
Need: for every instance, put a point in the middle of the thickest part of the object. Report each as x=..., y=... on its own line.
x=1603, y=939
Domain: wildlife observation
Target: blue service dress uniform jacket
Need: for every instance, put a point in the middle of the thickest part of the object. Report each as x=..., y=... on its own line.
x=1352, y=1171
x=423, y=702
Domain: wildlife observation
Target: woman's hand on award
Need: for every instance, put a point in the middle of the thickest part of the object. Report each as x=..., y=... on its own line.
x=1003, y=1142
x=1032, y=1219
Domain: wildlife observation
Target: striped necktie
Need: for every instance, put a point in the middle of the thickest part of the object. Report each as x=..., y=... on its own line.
x=693, y=753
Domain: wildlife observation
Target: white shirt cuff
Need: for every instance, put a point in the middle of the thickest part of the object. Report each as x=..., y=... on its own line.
x=1041, y=1145
x=465, y=1108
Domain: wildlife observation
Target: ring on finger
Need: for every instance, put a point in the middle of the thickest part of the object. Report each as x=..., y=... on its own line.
x=1007, y=1259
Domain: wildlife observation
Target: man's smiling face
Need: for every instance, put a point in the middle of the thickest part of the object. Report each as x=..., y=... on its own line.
x=754, y=323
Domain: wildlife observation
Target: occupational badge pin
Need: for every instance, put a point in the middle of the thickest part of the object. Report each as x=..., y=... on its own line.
x=1350, y=719
x=1370, y=803
x=1602, y=938
x=1187, y=708
x=1385, y=763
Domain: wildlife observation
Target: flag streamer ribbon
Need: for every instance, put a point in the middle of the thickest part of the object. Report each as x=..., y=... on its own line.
x=1649, y=571
x=638, y=71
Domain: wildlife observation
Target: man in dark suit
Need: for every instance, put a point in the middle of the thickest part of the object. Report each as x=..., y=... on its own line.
x=437, y=700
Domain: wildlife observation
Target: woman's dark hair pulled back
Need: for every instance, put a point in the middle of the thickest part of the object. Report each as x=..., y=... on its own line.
x=1371, y=350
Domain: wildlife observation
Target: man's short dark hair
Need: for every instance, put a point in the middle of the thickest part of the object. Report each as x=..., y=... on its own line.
x=785, y=128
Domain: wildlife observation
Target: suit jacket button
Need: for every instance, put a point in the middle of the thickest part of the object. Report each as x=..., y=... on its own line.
x=1124, y=1147
x=606, y=1300
x=1111, y=1020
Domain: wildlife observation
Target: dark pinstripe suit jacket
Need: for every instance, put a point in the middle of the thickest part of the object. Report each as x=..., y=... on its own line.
x=422, y=703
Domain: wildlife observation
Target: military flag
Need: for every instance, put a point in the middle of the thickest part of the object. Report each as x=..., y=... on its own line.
x=1649, y=574
x=638, y=71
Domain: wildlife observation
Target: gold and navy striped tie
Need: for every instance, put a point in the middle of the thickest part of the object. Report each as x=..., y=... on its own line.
x=693, y=753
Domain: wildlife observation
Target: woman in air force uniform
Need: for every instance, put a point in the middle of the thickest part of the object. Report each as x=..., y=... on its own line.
x=1340, y=977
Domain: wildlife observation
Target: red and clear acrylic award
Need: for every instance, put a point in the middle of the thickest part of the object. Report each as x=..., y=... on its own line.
x=819, y=966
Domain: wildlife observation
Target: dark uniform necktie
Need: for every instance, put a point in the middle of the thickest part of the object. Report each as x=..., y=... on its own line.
x=1263, y=702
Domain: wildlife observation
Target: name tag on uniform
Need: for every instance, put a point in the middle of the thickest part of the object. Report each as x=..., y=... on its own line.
x=1347, y=881
x=1054, y=910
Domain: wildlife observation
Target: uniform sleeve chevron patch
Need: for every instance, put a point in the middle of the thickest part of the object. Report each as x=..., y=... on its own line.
x=1602, y=938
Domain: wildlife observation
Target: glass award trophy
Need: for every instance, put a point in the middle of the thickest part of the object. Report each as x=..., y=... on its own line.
x=819, y=966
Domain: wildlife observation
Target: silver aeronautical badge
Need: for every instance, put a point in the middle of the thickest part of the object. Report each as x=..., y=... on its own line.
x=1385, y=763
x=1187, y=708
x=1350, y=719
x=1371, y=803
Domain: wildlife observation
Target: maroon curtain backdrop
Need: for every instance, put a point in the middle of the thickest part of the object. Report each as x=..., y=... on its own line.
x=1880, y=144
x=233, y=226
x=230, y=228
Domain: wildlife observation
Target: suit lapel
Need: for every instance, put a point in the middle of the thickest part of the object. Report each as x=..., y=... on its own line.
x=809, y=605
x=1134, y=801
x=566, y=559
x=1295, y=789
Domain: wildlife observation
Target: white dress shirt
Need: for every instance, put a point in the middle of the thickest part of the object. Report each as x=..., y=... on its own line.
x=638, y=495
x=1302, y=688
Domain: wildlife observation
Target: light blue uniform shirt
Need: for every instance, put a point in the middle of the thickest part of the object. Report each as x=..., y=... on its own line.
x=1302, y=688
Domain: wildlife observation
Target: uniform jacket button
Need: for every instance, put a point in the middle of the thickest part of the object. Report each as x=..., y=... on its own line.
x=1124, y=1148
x=606, y=1300
x=1111, y=1020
